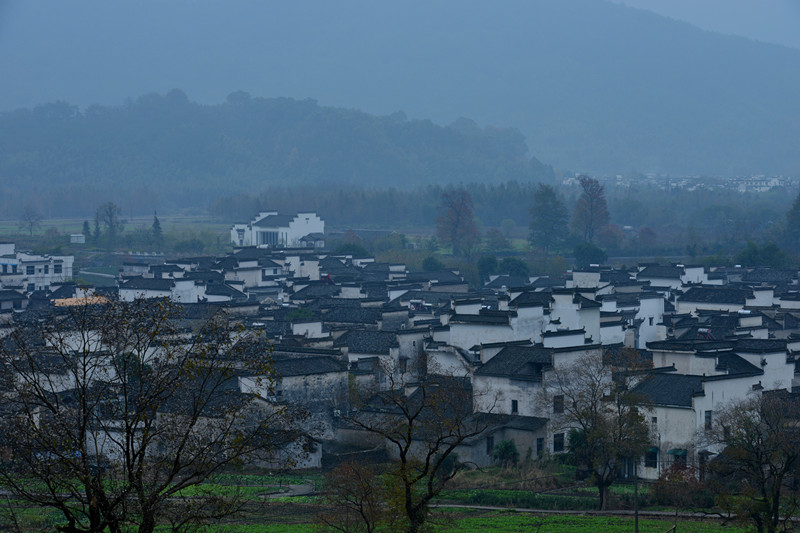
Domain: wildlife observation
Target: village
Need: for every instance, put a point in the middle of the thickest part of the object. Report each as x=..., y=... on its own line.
x=701, y=337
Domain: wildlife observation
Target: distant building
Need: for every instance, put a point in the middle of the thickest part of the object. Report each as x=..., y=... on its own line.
x=77, y=238
x=32, y=272
x=271, y=229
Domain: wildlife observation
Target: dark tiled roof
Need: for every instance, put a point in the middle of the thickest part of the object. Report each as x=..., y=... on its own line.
x=272, y=221
x=441, y=276
x=734, y=364
x=369, y=342
x=148, y=284
x=219, y=289
x=529, y=298
x=615, y=276
x=670, y=389
x=761, y=345
x=353, y=315
x=770, y=275
x=508, y=281
x=483, y=318
x=718, y=295
x=658, y=271
x=690, y=345
x=307, y=365
x=9, y=295
x=315, y=290
x=522, y=362
x=585, y=302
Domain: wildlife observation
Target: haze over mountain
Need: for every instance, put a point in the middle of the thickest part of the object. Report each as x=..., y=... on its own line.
x=594, y=86
x=163, y=151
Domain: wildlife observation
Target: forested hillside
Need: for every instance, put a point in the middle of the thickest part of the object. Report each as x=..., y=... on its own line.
x=166, y=152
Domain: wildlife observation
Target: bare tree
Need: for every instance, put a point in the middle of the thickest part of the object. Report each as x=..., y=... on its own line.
x=30, y=218
x=359, y=500
x=109, y=215
x=455, y=224
x=423, y=417
x=601, y=414
x=591, y=212
x=117, y=409
x=760, y=442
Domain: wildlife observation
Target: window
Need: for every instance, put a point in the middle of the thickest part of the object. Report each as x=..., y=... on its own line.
x=539, y=447
x=403, y=365
x=514, y=407
x=47, y=269
x=708, y=421
x=651, y=458
x=680, y=459
x=57, y=269
x=31, y=287
x=654, y=420
x=489, y=445
x=651, y=321
x=29, y=270
x=558, y=442
x=558, y=404
x=5, y=268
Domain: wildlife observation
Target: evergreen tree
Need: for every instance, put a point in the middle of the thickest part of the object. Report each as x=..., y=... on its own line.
x=549, y=219
x=96, y=234
x=158, y=234
x=87, y=232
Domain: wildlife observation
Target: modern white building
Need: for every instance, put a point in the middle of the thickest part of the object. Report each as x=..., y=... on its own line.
x=32, y=272
x=272, y=229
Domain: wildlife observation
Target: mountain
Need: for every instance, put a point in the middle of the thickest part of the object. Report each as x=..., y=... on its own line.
x=168, y=152
x=593, y=86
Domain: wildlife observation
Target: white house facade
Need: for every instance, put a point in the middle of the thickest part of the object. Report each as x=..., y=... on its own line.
x=272, y=229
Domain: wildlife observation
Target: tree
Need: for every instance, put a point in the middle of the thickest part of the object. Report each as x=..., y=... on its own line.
x=591, y=212
x=431, y=264
x=601, y=415
x=359, y=500
x=109, y=215
x=496, y=241
x=768, y=255
x=508, y=225
x=505, y=452
x=793, y=224
x=514, y=266
x=118, y=410
x=760, y=444
x=680, y=486
x=549, y=219
x=158, y=233
x=30, y=218
x=87, y=232
x=587, y=254
x=96, y=232
x=423, y=417
x=455, y=224
x=487, y=265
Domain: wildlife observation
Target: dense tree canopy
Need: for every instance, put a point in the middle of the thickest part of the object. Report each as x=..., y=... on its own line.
x=549, y=219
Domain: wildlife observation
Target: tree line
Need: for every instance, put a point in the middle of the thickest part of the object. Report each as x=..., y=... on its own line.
x=168, y=149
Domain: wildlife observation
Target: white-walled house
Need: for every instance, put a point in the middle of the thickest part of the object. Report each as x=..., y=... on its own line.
x=31, y=271
x=272, y=229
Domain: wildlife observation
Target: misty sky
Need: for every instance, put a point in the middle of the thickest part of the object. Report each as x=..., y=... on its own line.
x=102, y=51
x=771, y=21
